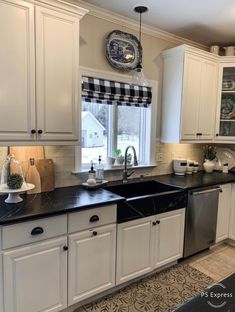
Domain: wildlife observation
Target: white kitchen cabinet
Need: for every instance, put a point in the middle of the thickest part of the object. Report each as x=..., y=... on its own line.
x=224, y=210
x=57, y=65
x=40, y=47
x=231, y=234
x=92, y=255
x=134, y=249
x=225, y=126
x=189, y=95
x=35, y=277
x=17, y=63
x=168, y=237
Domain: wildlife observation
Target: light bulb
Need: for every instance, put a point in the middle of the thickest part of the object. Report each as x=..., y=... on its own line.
x=138, y=77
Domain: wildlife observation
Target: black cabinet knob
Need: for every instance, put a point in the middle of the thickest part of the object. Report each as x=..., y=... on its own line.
x=37, y=231
x=158, y=222
x=217, y=134
x=199, y=133
x=154, y=223
x=40, y=131
x=33, y=131
x=94, y=218
x=65, y=248
x=94, y=233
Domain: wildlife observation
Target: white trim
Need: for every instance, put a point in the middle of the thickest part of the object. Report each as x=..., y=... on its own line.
x=124, y=21
x=85, y=71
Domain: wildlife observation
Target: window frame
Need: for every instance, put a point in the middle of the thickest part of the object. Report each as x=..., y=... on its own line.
x=151, y=116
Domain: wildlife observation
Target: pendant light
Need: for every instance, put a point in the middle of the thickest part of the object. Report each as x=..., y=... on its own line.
x=138, y=77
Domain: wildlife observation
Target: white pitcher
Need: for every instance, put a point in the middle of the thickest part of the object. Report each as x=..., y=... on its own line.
x=229, y=51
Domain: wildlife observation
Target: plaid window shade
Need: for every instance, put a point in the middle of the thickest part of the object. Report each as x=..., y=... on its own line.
x=112, y=92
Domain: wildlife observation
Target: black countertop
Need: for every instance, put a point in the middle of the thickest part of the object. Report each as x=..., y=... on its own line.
x=60, y=201
x=196, y=180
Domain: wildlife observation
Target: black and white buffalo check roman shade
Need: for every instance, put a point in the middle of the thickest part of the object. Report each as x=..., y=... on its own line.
x=112, y=92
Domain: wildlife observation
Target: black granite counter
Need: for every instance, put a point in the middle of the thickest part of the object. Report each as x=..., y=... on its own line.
x=60, y=201
x=196, y=180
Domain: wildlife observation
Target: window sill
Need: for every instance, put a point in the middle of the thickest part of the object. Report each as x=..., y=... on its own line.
x=118, y=168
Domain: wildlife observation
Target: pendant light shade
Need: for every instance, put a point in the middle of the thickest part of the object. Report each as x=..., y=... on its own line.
x=138, y=77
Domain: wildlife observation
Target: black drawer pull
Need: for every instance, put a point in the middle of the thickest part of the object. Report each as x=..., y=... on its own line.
x=94, y=233
x=154, y=223
x=40, y=131
x=65, y=248
x=33, y=131
x=94, y=218
x=37, y=231
x=158, y=222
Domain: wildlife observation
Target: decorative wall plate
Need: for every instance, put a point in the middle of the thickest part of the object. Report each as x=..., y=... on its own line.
x=123, y=50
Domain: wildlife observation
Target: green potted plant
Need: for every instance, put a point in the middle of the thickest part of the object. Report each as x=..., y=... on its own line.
x=118, y=156
x=209, y=153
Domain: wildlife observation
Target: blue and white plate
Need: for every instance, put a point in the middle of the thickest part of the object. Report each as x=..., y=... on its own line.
x=123, y=50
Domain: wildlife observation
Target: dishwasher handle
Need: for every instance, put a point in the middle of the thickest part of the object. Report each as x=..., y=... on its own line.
x=217, y=189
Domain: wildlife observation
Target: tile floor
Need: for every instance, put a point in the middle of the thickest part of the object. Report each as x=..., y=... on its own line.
x=217, y=263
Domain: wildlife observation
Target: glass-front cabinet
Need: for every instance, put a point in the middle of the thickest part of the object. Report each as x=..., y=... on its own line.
x=225, y=128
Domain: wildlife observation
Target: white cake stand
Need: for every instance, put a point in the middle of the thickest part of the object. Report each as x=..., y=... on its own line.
x=14, y=195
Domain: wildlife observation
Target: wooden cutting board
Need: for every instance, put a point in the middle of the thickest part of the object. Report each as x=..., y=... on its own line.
x=47, y=174
x=24, y=153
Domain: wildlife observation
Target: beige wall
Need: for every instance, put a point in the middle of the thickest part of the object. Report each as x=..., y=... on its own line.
x=92, y=55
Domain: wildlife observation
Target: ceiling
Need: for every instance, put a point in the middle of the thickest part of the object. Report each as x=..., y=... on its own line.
x=204, y=21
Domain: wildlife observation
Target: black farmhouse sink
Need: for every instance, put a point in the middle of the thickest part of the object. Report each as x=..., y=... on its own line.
x=147, y=198
x=139, y=189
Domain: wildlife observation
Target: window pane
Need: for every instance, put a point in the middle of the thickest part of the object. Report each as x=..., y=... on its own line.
x=94, y=131
x=129, y=128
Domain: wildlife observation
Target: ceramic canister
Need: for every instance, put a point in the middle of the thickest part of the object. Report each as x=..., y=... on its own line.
x=214, y=49
x=229, y=51
x=190, y=167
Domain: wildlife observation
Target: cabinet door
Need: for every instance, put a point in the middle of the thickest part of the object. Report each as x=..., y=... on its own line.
x=208, y=97
x=169, y=237
x=191, y=97
x=134, y=249
x=57, y=66
x=91, y=262
x=225, y=122
x=224, y=209
x=232, y=215
x=17, y=92
x=35, y=277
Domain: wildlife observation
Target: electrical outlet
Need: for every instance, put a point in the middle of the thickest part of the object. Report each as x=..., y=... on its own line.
x=160, y=157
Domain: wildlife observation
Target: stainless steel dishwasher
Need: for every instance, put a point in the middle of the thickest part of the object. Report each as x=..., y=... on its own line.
x=201, y=219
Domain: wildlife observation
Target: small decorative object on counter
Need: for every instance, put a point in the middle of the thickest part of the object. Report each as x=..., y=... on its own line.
x=225, y=168
x=99, y=171
x=196, y=166
x=110, y=161
x=180, y=166
x=12, y=180
x=209, y=153
x=15, y=181
x=92, y=172
x=33, y=177
x=190, y=167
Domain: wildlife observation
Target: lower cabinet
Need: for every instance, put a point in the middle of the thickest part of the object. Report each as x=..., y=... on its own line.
x=169, y=237
x=232, y=215
x=148, y=243
x=224, y=209
x=92, y=255
x=35, y=277
x=134, y=249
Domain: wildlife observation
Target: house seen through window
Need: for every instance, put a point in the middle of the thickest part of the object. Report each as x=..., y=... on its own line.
x=111, y=125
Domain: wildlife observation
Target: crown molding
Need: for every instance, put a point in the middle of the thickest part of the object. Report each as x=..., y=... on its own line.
x=132, y=24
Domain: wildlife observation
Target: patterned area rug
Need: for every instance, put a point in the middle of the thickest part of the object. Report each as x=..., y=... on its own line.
x=161, y=292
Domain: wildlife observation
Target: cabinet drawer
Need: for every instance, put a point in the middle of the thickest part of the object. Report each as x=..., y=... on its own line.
x=33, y=231
x=87, y=219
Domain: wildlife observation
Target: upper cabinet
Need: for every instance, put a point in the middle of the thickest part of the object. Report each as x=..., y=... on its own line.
x=225, y=122
x=39, y=81
x=189, y=95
